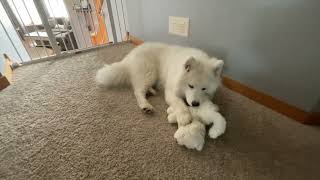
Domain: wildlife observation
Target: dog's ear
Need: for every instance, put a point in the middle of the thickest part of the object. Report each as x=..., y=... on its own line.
x=190, y=63
x=217, y=67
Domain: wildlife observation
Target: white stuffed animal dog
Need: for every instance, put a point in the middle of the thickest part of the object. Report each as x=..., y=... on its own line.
x=192, y=135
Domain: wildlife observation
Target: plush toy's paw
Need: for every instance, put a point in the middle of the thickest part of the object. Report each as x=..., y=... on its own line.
x=191, y=135
x=183, y=118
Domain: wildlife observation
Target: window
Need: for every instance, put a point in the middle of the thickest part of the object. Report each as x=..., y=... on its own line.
x=18, y=5
x=56, y=8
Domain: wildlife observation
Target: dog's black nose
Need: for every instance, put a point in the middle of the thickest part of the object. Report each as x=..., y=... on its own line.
x=195, y=103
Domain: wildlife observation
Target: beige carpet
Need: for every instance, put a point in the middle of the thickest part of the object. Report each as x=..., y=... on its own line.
x=56, y=124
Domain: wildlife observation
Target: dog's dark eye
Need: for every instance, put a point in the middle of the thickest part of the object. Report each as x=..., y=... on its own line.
x=203, y=89
x=190, y=86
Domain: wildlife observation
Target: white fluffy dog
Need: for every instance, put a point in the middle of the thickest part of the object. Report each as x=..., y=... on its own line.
x=192, y=135
x=188, y=76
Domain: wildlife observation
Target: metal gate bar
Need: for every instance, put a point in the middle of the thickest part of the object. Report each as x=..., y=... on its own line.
x=11, y=41
x=40, y=8
x=124, y=17
x=114, y=34
x=64, y=22
x=118, y=20
x=114, y=9
x=7, y=8
x=85, y=41
x=24, y=26
x=36, y=28
x=54, y=18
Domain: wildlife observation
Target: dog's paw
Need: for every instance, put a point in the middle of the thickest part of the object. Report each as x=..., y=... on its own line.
x=148, y=109
x=170, y=110
x=218, y=127
x=151, y=92
x=172, y=118
x=183, y=118
x=215, y=132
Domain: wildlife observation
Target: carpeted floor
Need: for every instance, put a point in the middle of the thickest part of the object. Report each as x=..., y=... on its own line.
x=56, y=124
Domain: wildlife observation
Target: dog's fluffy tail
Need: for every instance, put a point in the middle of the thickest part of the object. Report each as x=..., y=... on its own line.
x=113, y=75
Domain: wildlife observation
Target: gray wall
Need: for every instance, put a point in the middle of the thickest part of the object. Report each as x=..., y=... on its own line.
x=272, y=46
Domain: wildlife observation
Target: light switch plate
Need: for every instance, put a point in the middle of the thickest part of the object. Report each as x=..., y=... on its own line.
x=179, y=26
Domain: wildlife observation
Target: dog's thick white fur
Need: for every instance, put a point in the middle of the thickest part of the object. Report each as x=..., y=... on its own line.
x=192, y=135
x=188, y=75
